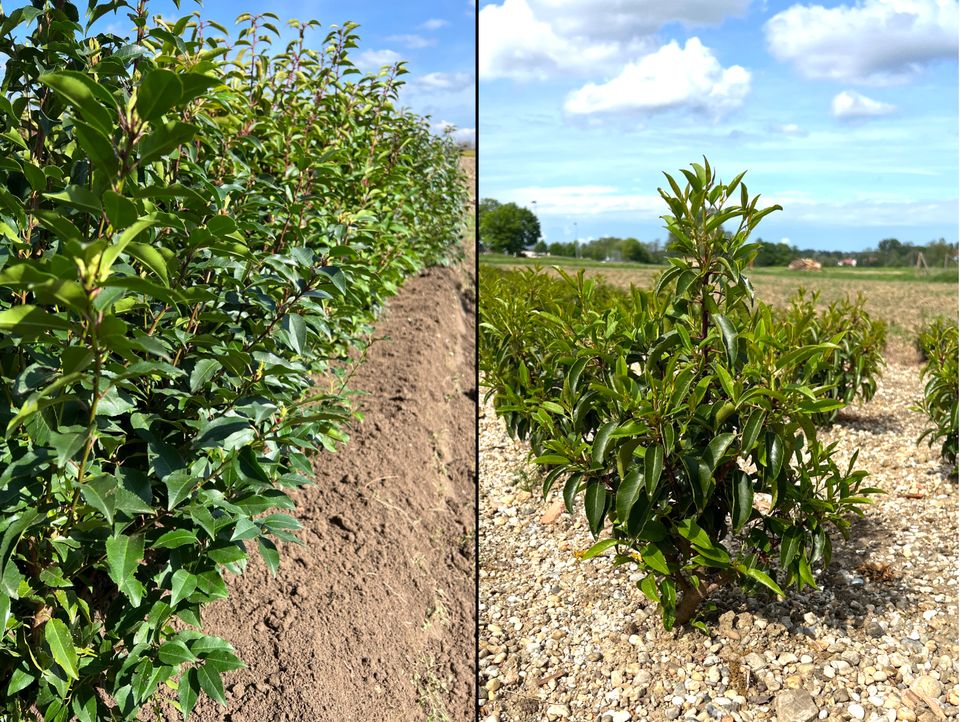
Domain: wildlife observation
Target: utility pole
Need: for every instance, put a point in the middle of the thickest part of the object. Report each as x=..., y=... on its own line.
x=576, y=242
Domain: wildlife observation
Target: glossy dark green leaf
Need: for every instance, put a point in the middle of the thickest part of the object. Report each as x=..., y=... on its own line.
x=91, y=99
x=601, y=440
x=159, y=91
x=742, y=500
x=596, y=505
x=628, y=493
x=652, y=468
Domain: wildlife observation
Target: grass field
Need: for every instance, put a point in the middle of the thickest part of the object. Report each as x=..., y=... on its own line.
x=900, y=296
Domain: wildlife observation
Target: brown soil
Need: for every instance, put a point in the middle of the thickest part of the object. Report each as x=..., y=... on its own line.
x=373, y=618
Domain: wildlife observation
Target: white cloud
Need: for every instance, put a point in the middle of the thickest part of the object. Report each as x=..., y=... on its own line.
x=625, y=19
x=875, y=41
x=447, y=82
x=540, y=39
x=376, y=59
x=671, y=77
x=586, y=200
x=852, y=105
x=791, y=129
x=435, y=24
x=412, y=41
x=872, y=212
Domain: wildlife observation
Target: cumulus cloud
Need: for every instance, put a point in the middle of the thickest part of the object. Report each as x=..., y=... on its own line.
x=435, y=24
x=540, y=39
x=412, y=41
x=873, y=42
x=853, y=105
x=375, y=59
x=672, y=77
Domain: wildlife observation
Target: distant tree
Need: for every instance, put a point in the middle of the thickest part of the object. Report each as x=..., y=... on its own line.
x=487, y=205
x=567, y=250
x=507, y=228
x=633, y=250
x=540, y=247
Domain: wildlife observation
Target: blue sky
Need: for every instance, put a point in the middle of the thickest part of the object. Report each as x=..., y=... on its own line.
x=845, y=113
x=435, y=37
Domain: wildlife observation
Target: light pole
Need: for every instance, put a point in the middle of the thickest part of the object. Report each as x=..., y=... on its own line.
x=535, y=216
x=576, y=242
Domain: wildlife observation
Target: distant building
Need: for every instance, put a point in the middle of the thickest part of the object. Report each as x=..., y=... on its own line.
x=847, y=262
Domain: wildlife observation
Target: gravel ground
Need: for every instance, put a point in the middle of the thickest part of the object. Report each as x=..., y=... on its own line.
x=562, y=639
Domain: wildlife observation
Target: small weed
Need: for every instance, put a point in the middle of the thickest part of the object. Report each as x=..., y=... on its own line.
x=432, y=692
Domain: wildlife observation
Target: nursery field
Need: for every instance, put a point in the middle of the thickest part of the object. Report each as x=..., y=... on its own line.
x=373, y=617
x=898, y=296
x=698, y=506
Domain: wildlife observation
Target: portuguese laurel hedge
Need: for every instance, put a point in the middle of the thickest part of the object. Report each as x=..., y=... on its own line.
x=937, y=343
x=675, y=411
x=192, y=229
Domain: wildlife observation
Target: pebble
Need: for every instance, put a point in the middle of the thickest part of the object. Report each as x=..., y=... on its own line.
x=859, y=647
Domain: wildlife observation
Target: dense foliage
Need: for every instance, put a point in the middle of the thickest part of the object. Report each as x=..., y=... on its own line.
x=685, y=415
x=506, y=227
x=850, y=372
x=192, y=232
x=937, y=342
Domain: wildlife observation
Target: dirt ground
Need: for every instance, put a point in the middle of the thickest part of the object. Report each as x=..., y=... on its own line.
x=373, y=618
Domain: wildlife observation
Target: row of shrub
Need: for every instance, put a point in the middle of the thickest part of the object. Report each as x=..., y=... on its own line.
x=937, y=344
x=674, y=410
x=193, y=228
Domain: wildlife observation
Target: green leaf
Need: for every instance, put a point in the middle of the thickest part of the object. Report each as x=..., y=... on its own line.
x=19, y=680
x=691, y=531
x=751, y=430
x=98, y=148
x=228, y=433
x=730, y=337
x=182, y=585
x=151, y=258
x=61, y=647
x=596, y=505
x=202, y=373
x=29, y=321
x=628, y=493
x=176, y=538
x=652, y=468
x=124, y=554
x=570, y=489
x=790, y=545
x=211, y=683
x=599, y=548
x=601, y=440
x=78, y=197
x=648, y=585
x=742, y=501
x=268, y=550
x=175, y=653
x=112, y=252
x=189, y=692
x=774, y=455
x=164, y=140
x=654, y=558
x=157, y=93
x=763, y=579
x=120, y=211
x=100, y=493
x=717, y=448
x=86, y=95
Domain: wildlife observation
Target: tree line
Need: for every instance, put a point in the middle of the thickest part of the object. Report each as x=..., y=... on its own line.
x=511, y=229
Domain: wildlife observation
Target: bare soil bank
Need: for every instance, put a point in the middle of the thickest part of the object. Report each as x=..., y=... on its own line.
x=373, y=618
